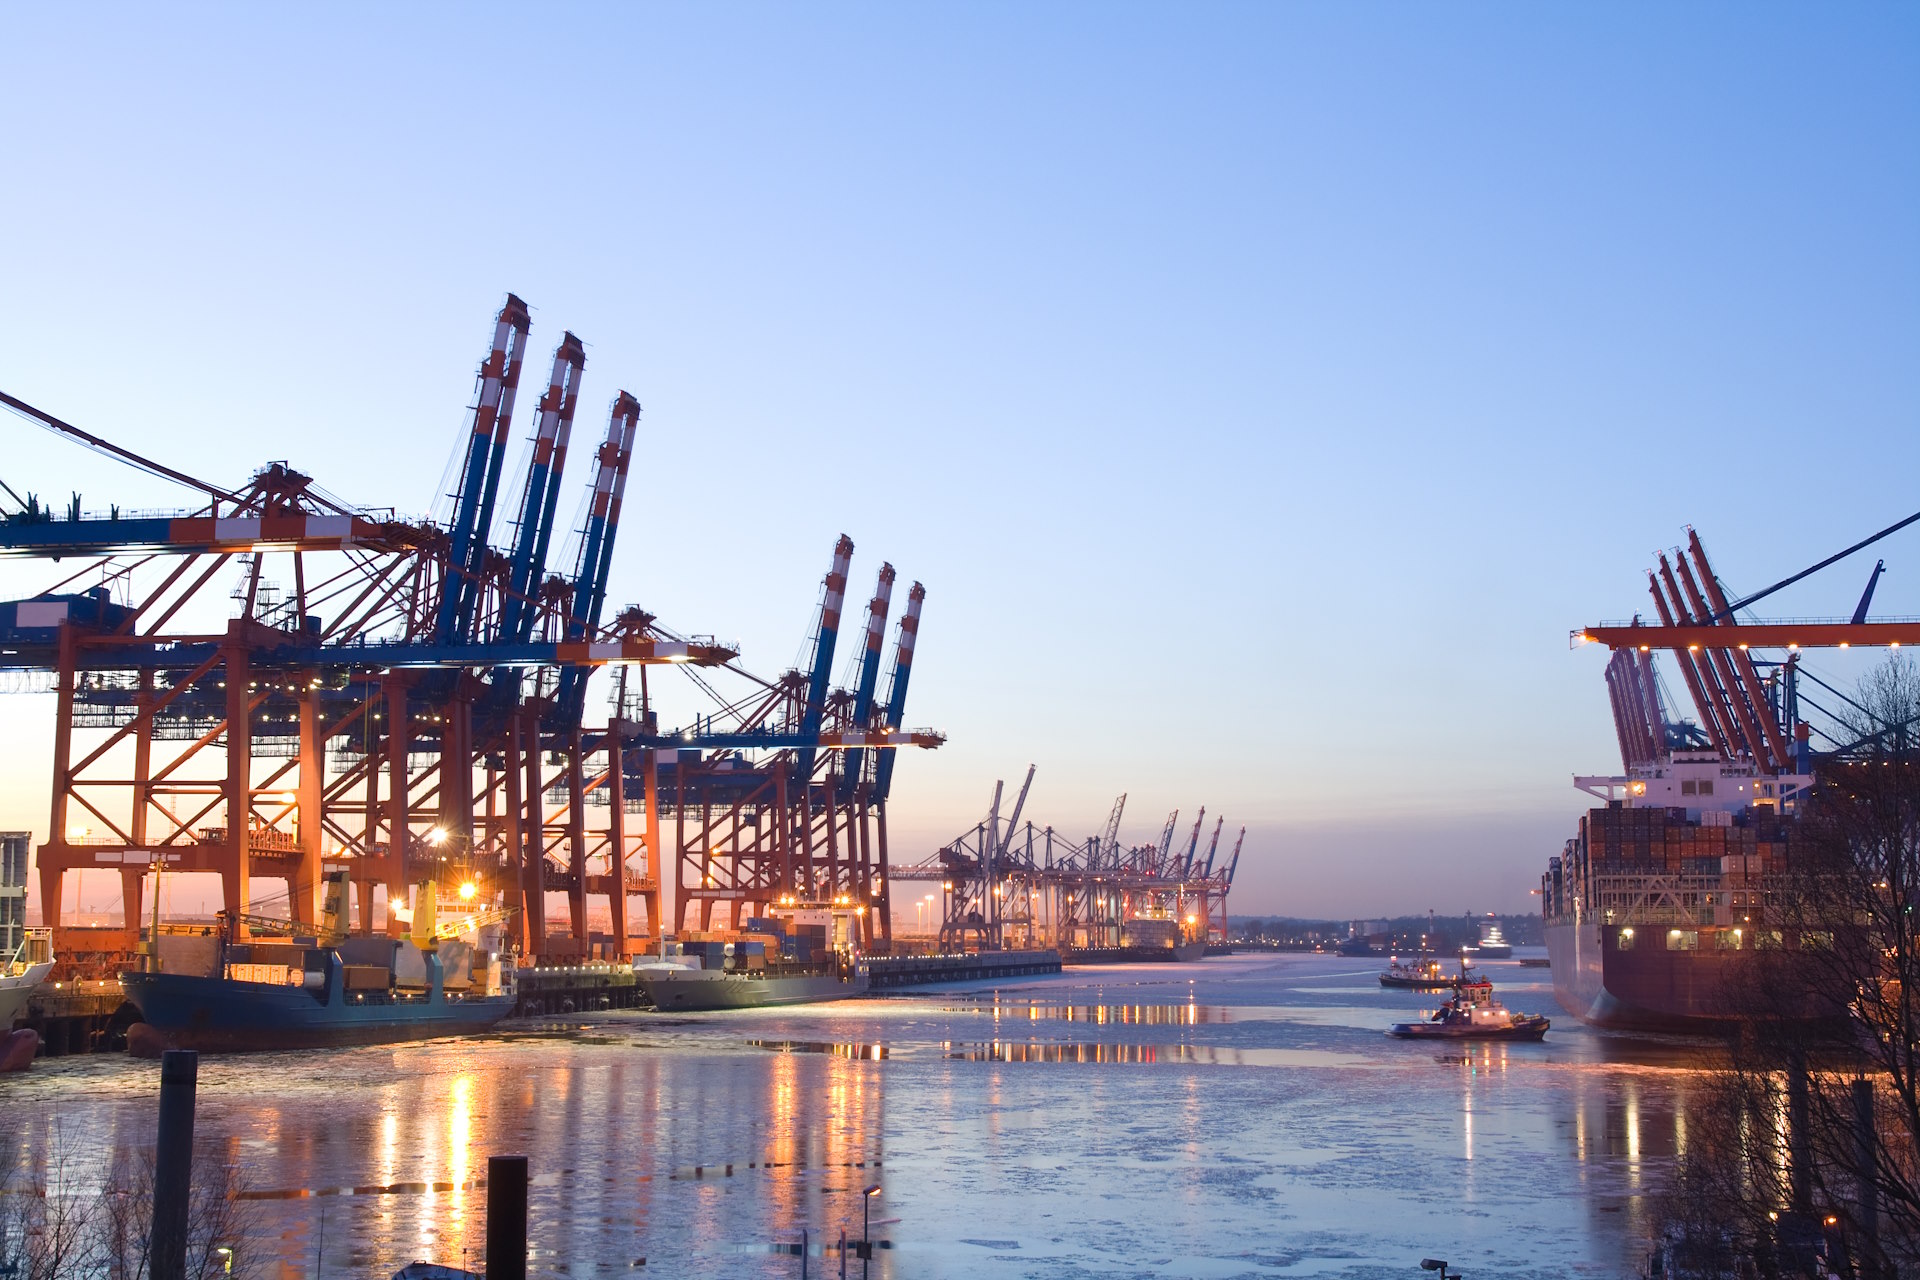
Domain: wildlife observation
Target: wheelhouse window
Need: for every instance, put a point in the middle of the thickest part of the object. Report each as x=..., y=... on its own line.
x=1683, y=939
x=1623, y=941
x=1728, y=939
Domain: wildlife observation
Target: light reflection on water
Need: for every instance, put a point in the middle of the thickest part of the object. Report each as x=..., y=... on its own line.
x=1243, y=1116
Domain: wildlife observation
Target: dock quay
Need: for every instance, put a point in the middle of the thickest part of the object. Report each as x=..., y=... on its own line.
x=920, y=971
x=581, y=988
x=76, y=1018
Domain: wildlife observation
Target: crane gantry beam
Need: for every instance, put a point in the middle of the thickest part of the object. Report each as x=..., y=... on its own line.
x=1691, y=637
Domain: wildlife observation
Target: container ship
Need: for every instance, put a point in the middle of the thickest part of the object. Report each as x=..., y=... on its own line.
x=1144, y=940
x=318, y=987
x=801, y=957
x=1670, y=880
x=1652, y=902
x=309, y=998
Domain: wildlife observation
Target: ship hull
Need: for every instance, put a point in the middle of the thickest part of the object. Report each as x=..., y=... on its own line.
x=1524, y=1029
x=1182, y=953
x=218, y=1015
x=1647, y=988
x=17, y=990
x=701, y=990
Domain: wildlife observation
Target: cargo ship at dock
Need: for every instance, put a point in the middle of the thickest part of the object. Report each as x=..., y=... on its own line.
x=205, y=990
x=801, y=954
x=1681, y=870
x=1653, y=902
x=322, y=1003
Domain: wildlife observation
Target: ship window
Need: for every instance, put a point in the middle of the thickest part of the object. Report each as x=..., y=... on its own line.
x=1623, y=941
x=1706, y=786
x=1726, y=939
x=1816, y=940
x=1683, y=939
x=1766, y=939
x=1688, y=787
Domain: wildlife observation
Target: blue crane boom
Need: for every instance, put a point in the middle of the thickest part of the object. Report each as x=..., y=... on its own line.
x=542, y=496
x=1193, y=843
x=492, y=414
x=868, y=675
x=1213, y=847
x=1233, y=863
x=897, y=685
x=596, y=546
x=825, y=633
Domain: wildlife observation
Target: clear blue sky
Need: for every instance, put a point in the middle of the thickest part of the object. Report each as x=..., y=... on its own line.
x=1262, y=392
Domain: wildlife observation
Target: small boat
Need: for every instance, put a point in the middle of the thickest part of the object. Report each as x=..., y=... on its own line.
x=1473, y=1014
x=1416, y=975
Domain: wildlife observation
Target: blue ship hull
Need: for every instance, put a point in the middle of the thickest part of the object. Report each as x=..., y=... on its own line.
x=221, y=1015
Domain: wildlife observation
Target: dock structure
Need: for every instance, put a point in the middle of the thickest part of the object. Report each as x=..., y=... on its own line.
x=1005, y=884
x=273, y=684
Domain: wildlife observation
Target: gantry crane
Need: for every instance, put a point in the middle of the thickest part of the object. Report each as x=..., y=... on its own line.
x=375, y=717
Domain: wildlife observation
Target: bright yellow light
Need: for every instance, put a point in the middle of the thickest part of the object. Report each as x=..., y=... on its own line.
x=437, y=836
x=1845, y=645
x=467, y=889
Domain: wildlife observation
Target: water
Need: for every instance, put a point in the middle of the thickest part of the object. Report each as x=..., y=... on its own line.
x=1241, y=1117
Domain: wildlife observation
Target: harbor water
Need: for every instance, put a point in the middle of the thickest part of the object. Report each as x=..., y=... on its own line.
x=1241, y=1116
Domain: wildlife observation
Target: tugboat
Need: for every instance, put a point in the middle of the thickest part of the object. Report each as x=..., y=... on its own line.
x=1473, y=1014
x=1416, y=975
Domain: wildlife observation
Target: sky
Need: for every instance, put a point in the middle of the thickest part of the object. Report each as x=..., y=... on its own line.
x=1263, y=393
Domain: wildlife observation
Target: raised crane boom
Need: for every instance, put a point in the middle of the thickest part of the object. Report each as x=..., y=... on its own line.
x=825, y=634
x=1108, y=852
x=1213, y=847
x=897, y=686
x=596, y=546
x=542, y=495
x=479, y=476
x=868, y=675
x=1193, y=843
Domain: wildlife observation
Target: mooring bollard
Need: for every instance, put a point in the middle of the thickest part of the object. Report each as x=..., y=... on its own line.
x=506, y=1218
x=173, y=1164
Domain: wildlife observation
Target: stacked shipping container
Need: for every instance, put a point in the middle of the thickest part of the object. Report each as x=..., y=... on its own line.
x=1618, y=841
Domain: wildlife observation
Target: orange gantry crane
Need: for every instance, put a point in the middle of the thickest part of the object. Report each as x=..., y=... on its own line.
x=399, y=701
